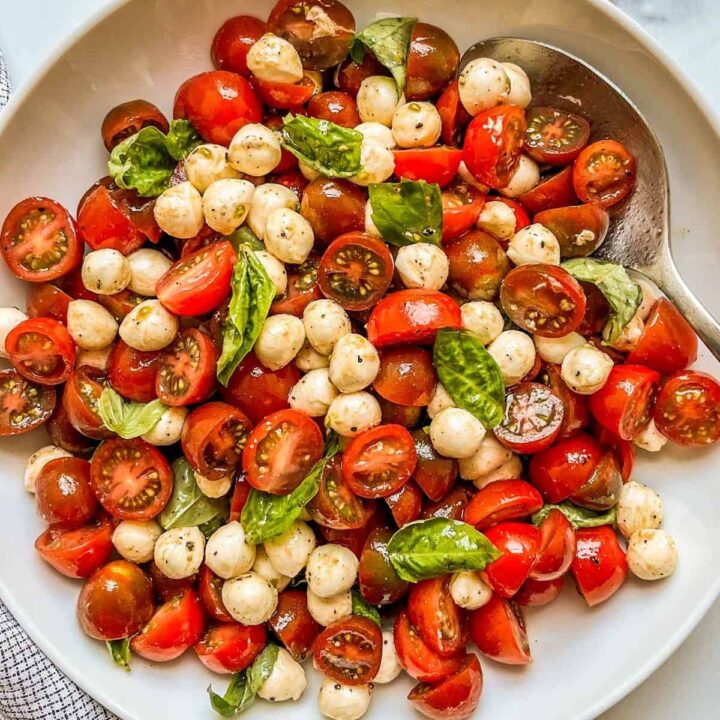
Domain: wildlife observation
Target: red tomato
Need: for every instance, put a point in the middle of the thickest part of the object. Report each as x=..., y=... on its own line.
x=556, y=550
x=283, y=96
x=63, y=495
x=349, y=74
x=62, y=433
x=500, y=501
x=498, y=629
x=406, y=376
x=80, y=401
x=554, y=191
x=522, y=219
x=281, y=450
x=405, y=504
x=453, y=114
x=293, y=180
x=128, y=118
x=335, y=106
x=433, y=473
x=462, y=205
x=555, y=137
x=132, y=372
x=24, y=405
x=166, y=588
x=437, y=164
x=294, y=625
x=120, y=304
x=599, y=566
x=186, y=369
x=240, y=494
x=623, y=451
x=232, y=42
x=41, y=350
x=228, y=648
x=519, y=544
x=103, y=224
x=579, y=229
x=536, y=593
x=432, y=61
x=576, y=413
x=302, y=289
x=404, y=415
x=210, y=589
x=604, y=173
x=478, y=265
x=333, y=207
x=46, y=300
x=349, y=650
x=379, y=583
x=451, y=505
x=602, y=490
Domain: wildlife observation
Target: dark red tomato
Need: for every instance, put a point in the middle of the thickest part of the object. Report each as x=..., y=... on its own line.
x=166, y=588
x=63, y=494
x=435, y=165
x=556, y=550
x=454, y=698
x=103, y=224
x=62, y=433
x=228, y=648
x=553, y=191
x=232, y=42
x=333, y=207
x=478, y=265
x=355, y=271
x=335, y=106
x=623, y=405
x=405, y=504
x=599, y=566
x=622, y=450
x=452, y=505
x=404, y=415
x=284, y=96
x=129, y=118
x=604, y=173
x=132, y=372
x=77, y=553
x=602, y=490
x=38, y=240
x=576, y=413
x=406, y=376
x=281, y=450
x=238, y=499
x=687, y=410
x=519, y=544
x=24, y=405
x=432, y=61
x=597, y=310
x=140, y=211
x=293, y=624
x=293, y=180
x=176, y=626
x=217, y=104
x=288, y=161
x=210, y=589
x=500, y=501
x=80, y=401
x=349, y=650
x=433, y=473
x=498, y=629
x=379, y=583
x=115, y=602
x=46, y=300
x=41, y=350
x=536, y=593
x=206, y=236
x=131, y=478
x=580, y=229
x=453, y=114
x=555, y=137
x=493, y=143
x=121, y=304
x=213, y=438
x=543, y=300
x=462, y=205
x=73, y=285
x=349, y=75
x=302, y=289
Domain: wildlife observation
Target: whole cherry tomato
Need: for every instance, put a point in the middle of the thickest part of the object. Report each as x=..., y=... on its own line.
x=406, y=376
x=477, y=265
x=519, y=544
x=228, y=648
x=452, y=505
x=434, y=474
x=232, y=42
x=335, y=106
x=599, y=566
x=432, y=61
x=333, y=207
x=46, y=300
x=379, y=582
x=63, y=495
x=132, y=372
x=579, y=229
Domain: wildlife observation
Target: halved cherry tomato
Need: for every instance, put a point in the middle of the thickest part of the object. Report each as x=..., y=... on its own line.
x=477, y=264
x=63, y=494
x=434, y=473
x=129, y=118
x=288, y=162
x=355, y=271
x=576, y=413
x=452, y=505
x=622, y=450
x=120, y=304
x=579, y=229
x=404, y=415
x=132, y=372
x=283, y=96
x=519, y=544
x=302, y=289
x=140, y=211
x=555, y=137
x=349, y=650
x=556, y=550
x=406, y=376
x=379, y=582
x=41, y=350
x=597, y=310
x=602, y=490
x=432, y=61
x=239, y=497
x=210, y=589
x=293, y=624
x=543, y=300
x=73, y=285
x=599, y=566
x=500, y=501
x=462, y=205
x=103, y=224
x=233, y=40
x=333, y=207
x=80, y=401
x=62, y=433
x=24, y=405
x=438, y=165
x=206, y=236
x=281, y=450
x=335, y=106
x=498, y=629
x=405, y=504
x=228, y=648
x=292, y=179
x=604, y=173
x=46, y=300
x=166, y=588
x=453, y=114
x=553, y=191
x=536, y=593
x=350, y=74
x=186, y=370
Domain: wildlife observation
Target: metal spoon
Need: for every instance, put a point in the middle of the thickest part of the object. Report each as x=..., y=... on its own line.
x=639, y=230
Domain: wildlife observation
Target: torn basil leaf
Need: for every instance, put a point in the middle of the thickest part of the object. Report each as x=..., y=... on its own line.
x=126, y=418
x=579, y=517
x=120, y=653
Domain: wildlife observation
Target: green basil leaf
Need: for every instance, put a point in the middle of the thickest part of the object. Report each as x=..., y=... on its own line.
x=470, y=375
x=245, y=238
x=361, y=608
x=579, y=517
x=332, y=444
x=326, y=147
x=126, y=418
x=209, y=527
x=407, y=212
x=120, y=653
x=613, y=281
x=146, y=160
x=438, y=546
x=262, y=667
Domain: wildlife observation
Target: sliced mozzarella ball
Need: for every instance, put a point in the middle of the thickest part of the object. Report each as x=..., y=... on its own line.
x=390, y=666
x=266, y=198
x=456, y=433
x=179, y=211
x=422, y=265
x=309, y=358
x=650, y=294
x=352, y=413
x=652, y=554
x=95, y=358
x=466, y=176
x=280, y=340
x=514, y=353
x=91, y=326
x=227, y=552
x=179, y=552
x=308, y=172
x=325, y=323
x=275, y=269
x=377, y=132
x=416, y=125
x=498, y=219
x=147, y=266
x=168, y=429
x=289, y=236
x=639, y=508
x=354, y=363
x=286, y=680
x=226, y=204
x=274, y=60
x=206, y=164
x=213, y=488
x=469, y=591
x=135, y=539
x=554, y=350
x=343, y=702
x=534, y=244
x=10, y=318
x=377, y=100
x=326, y=610
x=482, y=319
x=263, y=567
x=628, y=338
x=149, y=326
x=440, y=400
x=254, y=150
x=36, y=463
x=520, y=93
x=650, y=439
x=313, y=393
x=331, y=569
x=483, y=84
x=290, y=551
x=370, y=227
x=586, y=369
x=378, y=164
x=524, y=179
x=509, y=470
x=105, y=271
x=490, y=456
x=250, y=598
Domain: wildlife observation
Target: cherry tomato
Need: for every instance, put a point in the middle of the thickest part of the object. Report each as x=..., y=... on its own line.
x=498, y=629
x=335, y=106
x=453, y=114
x=379, y=583
x=63, y=495
x=132, y=372
x=121, y=304
x=41, y=350
x=406, y=376
x=129, y=118
x=283, y=96
x=404, y=415
x=599, y=565
x=576, y=413
x=434, y=473
x=555, y=137
x=500, y=501
x=239, y=497
x=536, y=593
x=623, y=451
x=452, y=505
x=478, y=265
x=302, y=289
x=438, y=165
x=522, y=219
x=288, y=161
x=556, y=549
x=292, y=179
x=24, y=405
x=293, y=624
x=519, y=544
x=405, y=504
x=333, y=207
x=140, y=211
x=80, y=401
x=228, y=648
x=210, y=589
x=350, y=74
x=579, y=229
x=46, y=300
x=602, y=490
x=462, y=205
x=432, y=61
x=553, y=191
x=103, y=224
x=604, y=173
x=232, y=42
x=166, y=588
x=62, y=433
x=349, y=650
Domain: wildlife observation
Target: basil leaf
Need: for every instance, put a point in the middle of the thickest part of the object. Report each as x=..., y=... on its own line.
x=438, y=546
x=262, y=667
x=332, y=444
x=126, y=418
x=407, y=212
x=470, y=375
x=361, y=608
x=120, y=652
x=579, y=517
x=326, y=147
x=146, y=160
x=613, y=281
x=209, y=527
x=389, y=40
x=245, y=238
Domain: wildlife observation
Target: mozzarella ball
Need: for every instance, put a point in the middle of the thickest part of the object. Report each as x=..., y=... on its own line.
x=290, y=551
x=507, y=471
x=514, y=353
x=168, y=429
x=147, y=266
x=149, y=326
x=482, y=319
x=325, y=323
x=275, y=270
x=213, y=488
x=390, y=666
x=628, y=338
x=265, y=199
x=468, y=591
x=313, y=393
x=483, y=84
x=226, y=204
x=554, y=350
x=250, y=598
x=354, y=363
x=416, y=125
x=36, y=463
x=439, y=400
x=466, y=176
x=254, y=150
x=326, y=610
x=586, y=369
x=10, y=318
x=639, y=508
x=308, y=172
x=498, y=219
x=343, y=702
x=378, y=164
x=179, y=211
x=289, y=236
x=274, y=60
x=105, y=271
x=490, y=456
x=206, y=164
x=91, y=326
x=310, y=359
x=135, y=539
x=524, y=179
x=534, y=244
x=95, y=358
x=263, y=567
x=650, y=439
x=422, y=265
x=227, y=553
x=280, y=340
x=520, y=93
x=377, y=100
x=370, y=227
x=179, y=552
x=331, y=569
x=286, y=680
x=377, y=132
x=652, y=554
x=352, y=413
x=456, y=433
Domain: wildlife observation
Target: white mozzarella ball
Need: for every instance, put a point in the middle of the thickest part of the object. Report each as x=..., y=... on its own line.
x=213, y=488
x=135, y=539
x=36, y=463
x=466, y=176
x=325, y=323
x=206, y=164
x=416, y=125
x=650, y=294
x=483, y=84
x=586, y=369
x=520, y=93
x=354, y=363
x=490, y=456
x=456, y=433
x=524, y=179
x=468, y=591
x=514, y=353
x=650, y=439
x=263, y=567
x=266, y=198
x=370, y=226
x=10, y=318
x=309, y=358
x=290, y=551
x=390, y=666
x=639, y=508
x=179, y=552
x=628, y=337
x=377, y=132
x=226, y=204
x=534, y=244
x=482, y=319
x=91, y=326
x=378, y=164
x=95, y=358
x=377, y=100
x=439, y=400
x=168, y=429
x=273, y=59
x=250, y=598
x=331, y=569
x=275, y=269
x=179, y=211
x=280, y=340
x=652, y=554
x=343, y=702
x=509, y=470
x=254, y=150
x=227, y=552
x=147, y=266
x=498, y=219
x=286, y=680
x=422, y=265
x=289, y=236
x=105, y=271
x=326, y=610
x=554, y=350
x=313, y=393
x=352, y=413
x=149, y=326
x=308, y=171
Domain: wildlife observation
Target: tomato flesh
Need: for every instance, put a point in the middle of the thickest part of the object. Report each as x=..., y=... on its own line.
x=46, y=300
x=41, y=350
x=434, y=473
x=24, y=405
x=228, y=648
x=500, y=501
x=210, y=590
x=556, y=549
x=349, y=650
x=405, y=504
x=129, y=118
x=555, y=137
x=604, y=173
x=537, y=593
x=437, y=165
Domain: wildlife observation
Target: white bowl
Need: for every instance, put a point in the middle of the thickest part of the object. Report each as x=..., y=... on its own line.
x=585, y=660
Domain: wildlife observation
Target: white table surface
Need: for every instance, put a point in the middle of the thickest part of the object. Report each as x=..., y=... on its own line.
x=689, y=30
